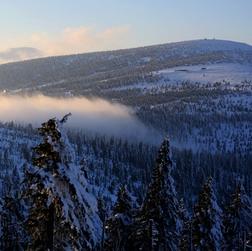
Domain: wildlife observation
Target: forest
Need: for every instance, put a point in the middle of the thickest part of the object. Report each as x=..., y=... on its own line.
x=125, y=125
x=66, y=190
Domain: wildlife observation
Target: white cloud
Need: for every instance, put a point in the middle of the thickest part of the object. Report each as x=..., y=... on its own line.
x=71, y=40
x=81, y=39
x=18, y=54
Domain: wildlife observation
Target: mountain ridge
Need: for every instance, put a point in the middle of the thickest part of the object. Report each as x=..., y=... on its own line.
x=77, y=72
x=231, y=45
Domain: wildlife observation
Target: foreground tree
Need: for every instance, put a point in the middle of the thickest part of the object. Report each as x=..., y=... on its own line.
x=55, y=191
x=158, y=224
x=207, y=222
x=237, y=227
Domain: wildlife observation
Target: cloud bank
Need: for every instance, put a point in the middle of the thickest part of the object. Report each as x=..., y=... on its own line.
x=70, y=40
x=81, y=39
x=18, y=54
x=93, y=115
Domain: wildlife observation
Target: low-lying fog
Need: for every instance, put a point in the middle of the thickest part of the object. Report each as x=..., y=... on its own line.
x=95, y=115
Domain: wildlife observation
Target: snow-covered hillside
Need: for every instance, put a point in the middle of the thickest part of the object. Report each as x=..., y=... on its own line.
x=80, y=73
x=230, y=74
x=235, y=74
x=201, y=86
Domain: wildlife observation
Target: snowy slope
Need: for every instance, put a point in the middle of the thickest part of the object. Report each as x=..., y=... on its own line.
x=79, y=73
x=231, y=73
x=209, y=73
x=80, y=212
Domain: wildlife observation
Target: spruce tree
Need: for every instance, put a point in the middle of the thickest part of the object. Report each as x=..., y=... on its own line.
x=118, y=225
x=45, y=214
x=237, y=227
x=207, y=222
x=158, y=223
x=56, y=190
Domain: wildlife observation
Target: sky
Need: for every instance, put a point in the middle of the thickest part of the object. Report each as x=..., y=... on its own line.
x=36, y=28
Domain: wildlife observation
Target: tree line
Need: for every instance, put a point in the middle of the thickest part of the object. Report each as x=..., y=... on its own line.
x=57, y=211
x=163, y=223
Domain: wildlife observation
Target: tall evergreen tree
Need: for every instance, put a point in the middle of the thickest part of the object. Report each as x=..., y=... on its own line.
x=207, y=222
x=118, y=225
x=158, y=223
x=56, y=190
x=237, y=227
x=45, y=214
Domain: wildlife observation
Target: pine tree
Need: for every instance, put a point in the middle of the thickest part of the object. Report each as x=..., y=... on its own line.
x=56, y=189
x=118, y=225
x=237, y=227
x=207, y=234
x=123, y=203
x=46, y=210
x=158, y=224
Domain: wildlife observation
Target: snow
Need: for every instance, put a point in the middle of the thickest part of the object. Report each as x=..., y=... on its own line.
x=80, y=212
x=146, y=59
x=229, y=74
x=209, y=73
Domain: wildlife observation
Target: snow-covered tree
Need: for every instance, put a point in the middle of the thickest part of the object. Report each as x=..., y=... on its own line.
x=61, y=214
x=237, y=227
x=207, y=221
x=118, y=225
x=158, y=223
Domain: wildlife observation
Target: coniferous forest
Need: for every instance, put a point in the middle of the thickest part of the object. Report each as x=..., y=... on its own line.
x=157, y=200
x=125, y=125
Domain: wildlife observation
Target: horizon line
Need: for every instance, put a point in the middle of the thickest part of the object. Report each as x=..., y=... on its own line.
x=115, y=50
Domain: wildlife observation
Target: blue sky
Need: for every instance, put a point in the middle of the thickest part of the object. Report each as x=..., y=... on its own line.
x=71, y=26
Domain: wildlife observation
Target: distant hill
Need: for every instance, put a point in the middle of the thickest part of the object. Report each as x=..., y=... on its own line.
x=77, y=73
